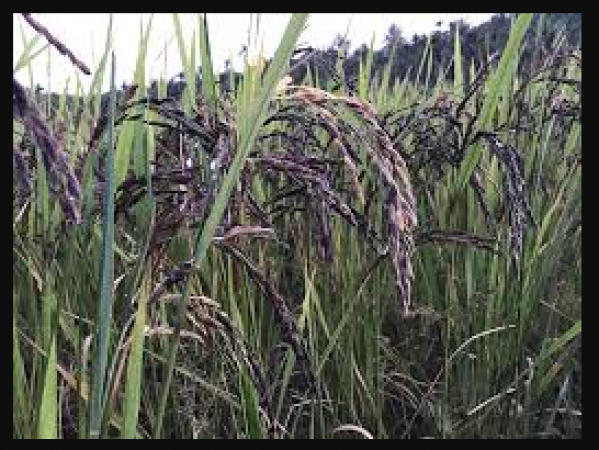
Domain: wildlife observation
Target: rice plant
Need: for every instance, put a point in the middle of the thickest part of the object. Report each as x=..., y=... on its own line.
x=291, y=258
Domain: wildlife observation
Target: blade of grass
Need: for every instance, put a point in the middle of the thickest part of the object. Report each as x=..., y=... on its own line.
x=135, y=363
x=189, y=101
x=47, y=425
x=27, y=56
x=458, y=77
x=208, y=82
x=21, y=403
x=106, y=274
x=249, y=406
x=498, y=86
x=130, y=130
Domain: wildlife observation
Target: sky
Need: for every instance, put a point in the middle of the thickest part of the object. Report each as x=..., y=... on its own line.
x=85, y=36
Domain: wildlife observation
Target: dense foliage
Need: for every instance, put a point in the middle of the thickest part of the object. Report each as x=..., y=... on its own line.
x=314, y=249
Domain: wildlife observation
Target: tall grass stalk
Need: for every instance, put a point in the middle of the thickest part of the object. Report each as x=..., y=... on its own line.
x=105, y=303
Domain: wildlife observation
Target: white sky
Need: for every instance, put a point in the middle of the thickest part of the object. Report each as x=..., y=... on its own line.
x=85, y=34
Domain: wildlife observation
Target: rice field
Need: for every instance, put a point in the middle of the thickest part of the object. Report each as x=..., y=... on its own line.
x=296, y=258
